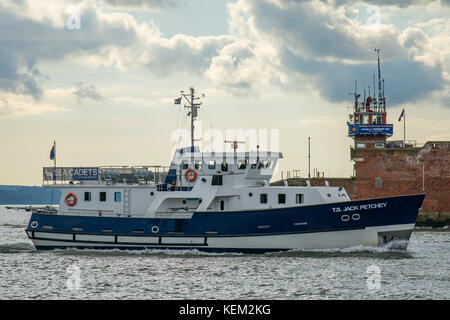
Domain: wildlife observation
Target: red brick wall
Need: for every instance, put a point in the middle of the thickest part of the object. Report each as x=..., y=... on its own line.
x=400, y=170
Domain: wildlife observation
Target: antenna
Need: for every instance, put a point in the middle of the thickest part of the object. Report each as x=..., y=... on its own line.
x=234, y=144
x=379, y=78
x=193, y=110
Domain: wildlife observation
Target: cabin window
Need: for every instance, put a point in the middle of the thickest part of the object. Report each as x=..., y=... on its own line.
x=102, y=196
x=185, y=165
x=222, y=205
x=87, y=196
x=263, y=198
x=217, y=180
x=212, y=164
x=198, y=165
x=224, y=166
x=117, y=196
x=281, y=198
x=242, y=164
x=299, y=198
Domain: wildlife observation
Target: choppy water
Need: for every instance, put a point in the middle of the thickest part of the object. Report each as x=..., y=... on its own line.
x=422, y=272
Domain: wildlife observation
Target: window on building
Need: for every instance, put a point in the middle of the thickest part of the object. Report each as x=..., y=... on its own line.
x=102, y=196
x=281, y=198
x=360, y=145
x=378, y=183
x=299, y=198
x=263, y=198
x=379, y=145
x=117, y=196
x=87, y=196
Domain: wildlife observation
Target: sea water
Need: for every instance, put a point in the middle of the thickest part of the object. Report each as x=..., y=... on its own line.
x=420, y=272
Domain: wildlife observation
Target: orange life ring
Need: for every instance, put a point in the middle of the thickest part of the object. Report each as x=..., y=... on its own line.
x=190, y=175
x=71, y=199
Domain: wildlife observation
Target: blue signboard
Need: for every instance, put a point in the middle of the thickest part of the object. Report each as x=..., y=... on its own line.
x=356, y=128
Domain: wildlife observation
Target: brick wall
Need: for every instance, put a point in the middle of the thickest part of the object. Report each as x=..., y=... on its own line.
x=400, y=172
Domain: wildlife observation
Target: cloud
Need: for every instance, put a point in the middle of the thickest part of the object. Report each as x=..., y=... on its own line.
x=149, y=4
x=84, y=91
x=13, y=105
x=315, y=46
x=38, y=33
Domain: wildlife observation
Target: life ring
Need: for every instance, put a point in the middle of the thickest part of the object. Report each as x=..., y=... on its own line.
x=190, y=175
x=71, y=199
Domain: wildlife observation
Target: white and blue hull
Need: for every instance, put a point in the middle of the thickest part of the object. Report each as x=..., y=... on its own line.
x=367, y=223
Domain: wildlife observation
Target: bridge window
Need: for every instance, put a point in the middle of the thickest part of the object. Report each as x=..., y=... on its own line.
x=212, y=164
x=117, y=196
x=242, y=164
x=198, y=165
x=102, y=196
x=224, y=166
x=263, y=198
x=87, y=196
x=281, y=198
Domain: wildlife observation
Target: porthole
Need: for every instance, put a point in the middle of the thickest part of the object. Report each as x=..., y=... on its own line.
x=250, y=194
x=345, y=217
x=34, y=224
x=152, y=193
x=155, y=229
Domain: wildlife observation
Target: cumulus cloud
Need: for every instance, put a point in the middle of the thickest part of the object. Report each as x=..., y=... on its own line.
x=84, y=91
x=38, y=33
x=309, y=45
x=317, y=47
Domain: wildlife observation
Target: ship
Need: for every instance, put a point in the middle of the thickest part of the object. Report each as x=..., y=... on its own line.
x=215, y=201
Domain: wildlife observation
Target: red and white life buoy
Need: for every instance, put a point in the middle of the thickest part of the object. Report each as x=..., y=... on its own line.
x=190, y=175
x=71, y=199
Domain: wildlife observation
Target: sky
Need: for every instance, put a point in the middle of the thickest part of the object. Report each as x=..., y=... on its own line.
x=100, y=77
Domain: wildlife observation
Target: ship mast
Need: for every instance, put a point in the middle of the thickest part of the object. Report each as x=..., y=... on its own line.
x=192, y=106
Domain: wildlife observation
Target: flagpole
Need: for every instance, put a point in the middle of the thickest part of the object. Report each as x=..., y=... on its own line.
x=404, y=129
x=54, y=162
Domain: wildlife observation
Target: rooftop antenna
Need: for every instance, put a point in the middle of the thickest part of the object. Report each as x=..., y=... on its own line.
x=379, y=78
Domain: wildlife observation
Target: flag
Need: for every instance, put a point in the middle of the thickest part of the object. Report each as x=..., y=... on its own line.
x=402, y=115
x=177, y=101
x=52, y=153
